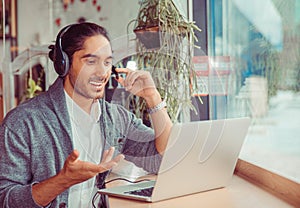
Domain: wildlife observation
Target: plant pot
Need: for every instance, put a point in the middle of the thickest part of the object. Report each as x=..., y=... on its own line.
x=149, y=36
x=152, y=37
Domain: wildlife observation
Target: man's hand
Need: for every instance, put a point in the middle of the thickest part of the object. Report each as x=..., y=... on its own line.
x=77, y=171
x=138, y=82
x=74, y=171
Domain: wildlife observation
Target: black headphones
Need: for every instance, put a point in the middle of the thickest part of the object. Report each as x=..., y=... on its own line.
x=61, y=59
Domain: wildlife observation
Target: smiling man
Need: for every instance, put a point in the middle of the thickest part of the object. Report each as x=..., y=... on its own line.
x=56, y=146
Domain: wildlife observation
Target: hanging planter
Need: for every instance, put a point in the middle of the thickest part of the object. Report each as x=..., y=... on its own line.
x=149, y=37
x=153, y=37
x=165, y=44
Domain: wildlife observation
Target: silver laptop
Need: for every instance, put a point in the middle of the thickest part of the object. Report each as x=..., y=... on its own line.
x=200, y=156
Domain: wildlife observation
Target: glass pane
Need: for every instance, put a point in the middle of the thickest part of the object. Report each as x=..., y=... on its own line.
x=262, y=39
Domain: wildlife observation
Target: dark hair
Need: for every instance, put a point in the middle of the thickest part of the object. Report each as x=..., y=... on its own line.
x=73, y=36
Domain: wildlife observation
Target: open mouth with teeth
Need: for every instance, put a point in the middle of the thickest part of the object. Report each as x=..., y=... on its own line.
x=97, y=83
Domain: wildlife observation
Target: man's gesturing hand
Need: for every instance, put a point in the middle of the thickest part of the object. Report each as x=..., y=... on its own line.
x=74, y=171
x=138, y=82
x=77, y=171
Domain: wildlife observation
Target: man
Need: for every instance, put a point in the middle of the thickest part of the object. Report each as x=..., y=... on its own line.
x=54, y=145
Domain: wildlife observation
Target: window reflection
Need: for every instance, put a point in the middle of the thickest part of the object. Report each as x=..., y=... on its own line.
x=263, y=40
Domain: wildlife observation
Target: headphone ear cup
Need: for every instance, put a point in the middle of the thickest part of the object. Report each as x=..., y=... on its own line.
x=61, y=62
x=64, y=65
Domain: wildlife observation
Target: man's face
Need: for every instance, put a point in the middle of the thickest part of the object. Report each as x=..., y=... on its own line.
x=90, y=70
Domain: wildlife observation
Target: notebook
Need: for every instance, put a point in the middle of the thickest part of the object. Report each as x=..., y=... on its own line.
x=200, y=156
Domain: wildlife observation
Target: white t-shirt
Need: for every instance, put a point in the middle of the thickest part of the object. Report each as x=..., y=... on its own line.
x=87, y=140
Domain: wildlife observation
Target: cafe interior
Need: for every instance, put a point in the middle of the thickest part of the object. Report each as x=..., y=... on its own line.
x=229, y=59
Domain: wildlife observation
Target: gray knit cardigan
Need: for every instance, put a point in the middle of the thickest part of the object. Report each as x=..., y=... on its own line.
x=35, y=140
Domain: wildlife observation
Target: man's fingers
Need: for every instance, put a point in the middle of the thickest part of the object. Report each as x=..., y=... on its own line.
x=108, y=154
x=123, y=70
x=118, y=158
x=112, y=163
x=73, y=157
x=121, y=80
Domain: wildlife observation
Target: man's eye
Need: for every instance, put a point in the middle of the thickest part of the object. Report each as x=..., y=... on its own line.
x=91, y=61
x=107, y=63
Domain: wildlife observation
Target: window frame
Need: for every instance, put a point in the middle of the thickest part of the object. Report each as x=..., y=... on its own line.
x=281, y=187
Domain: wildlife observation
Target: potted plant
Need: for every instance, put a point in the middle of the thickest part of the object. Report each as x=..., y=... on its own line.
x=165, y=45
x=161, y=17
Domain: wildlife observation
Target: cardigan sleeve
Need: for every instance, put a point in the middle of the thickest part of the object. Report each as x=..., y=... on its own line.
x=15, y=191
x=35, y=140
x=33, y=147
x=140, y=148
x=137, y=140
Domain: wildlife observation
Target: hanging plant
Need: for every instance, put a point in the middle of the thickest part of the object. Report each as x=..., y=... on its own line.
x=165, y=45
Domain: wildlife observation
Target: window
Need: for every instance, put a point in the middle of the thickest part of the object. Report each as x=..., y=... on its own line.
x=262, y=39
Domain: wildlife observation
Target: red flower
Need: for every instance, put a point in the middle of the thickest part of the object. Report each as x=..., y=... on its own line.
x=58, y=22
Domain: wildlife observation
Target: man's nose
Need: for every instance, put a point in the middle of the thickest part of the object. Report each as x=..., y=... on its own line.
x=102, y=70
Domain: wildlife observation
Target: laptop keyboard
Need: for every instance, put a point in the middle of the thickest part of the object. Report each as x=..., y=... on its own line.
x=141, y=192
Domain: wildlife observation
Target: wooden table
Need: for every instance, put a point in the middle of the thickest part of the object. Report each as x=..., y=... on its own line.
x=239, y=194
